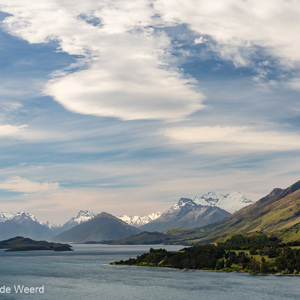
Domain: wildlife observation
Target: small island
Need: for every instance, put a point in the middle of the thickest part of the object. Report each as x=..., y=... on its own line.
x=257, y=254
x=20, y=243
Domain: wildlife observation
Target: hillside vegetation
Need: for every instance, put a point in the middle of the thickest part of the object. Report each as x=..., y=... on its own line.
x=278, y=213
x=256, y=254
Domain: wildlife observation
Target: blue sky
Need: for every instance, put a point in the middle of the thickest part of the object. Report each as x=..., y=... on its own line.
x=126, y=106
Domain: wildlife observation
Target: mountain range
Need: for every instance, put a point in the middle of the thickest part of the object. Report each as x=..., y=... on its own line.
x=186, y=213
x=26, y=224
x=276, y=214
x=201, y=211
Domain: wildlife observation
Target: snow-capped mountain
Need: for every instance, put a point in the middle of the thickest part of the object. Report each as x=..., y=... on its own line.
x=201, y=211
x=185, y=204
x=50, y=225
x=22, y=224
x=4, y=216
x=82, y=216
x=229, y=202
x=17, y=217
x=139, y=221
x=186, y=213
x=22, y=216
x=26, y=224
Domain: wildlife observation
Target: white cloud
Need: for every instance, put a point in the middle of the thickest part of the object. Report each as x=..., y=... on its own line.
x=199, y=40
x=26, y=133
x=237, y=26
x=23, y=185
x=10, y=106
x=240, y=138
x=127, y=75
x=129, y=72
x=127, y=89
x=8, y=130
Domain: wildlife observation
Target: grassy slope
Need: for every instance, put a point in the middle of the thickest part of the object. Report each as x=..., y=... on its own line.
x=277, y=214
x=145, y=238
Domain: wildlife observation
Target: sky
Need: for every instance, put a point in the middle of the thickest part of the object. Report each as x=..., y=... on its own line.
x=125, y=106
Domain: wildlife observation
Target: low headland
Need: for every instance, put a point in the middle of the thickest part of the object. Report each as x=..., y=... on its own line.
x=20, y=243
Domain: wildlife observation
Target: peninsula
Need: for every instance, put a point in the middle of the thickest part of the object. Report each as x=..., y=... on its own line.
x=255, y=254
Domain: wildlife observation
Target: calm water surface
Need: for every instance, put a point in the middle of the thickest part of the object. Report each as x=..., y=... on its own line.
x=86, y=274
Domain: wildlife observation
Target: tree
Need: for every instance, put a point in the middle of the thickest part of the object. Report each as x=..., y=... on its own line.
x=264, y=267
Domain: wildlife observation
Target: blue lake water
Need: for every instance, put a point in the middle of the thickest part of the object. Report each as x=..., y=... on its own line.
x=86, y=274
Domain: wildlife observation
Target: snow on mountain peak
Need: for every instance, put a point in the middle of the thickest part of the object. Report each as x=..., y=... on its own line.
x=4, y=216
x=229, y=202
x=23, y=216
x=83, y=216
x=49, y=225
x=84, y=213
x=19, y=216
x=139, y=221
x=182, y=203
x=185, y=201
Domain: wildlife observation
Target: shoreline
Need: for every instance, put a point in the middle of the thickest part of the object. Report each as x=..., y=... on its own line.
x=201, y=270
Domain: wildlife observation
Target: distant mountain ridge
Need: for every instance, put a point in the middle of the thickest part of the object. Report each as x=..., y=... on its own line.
x=26, y=224
x=103, y=227
x=186, y=213
x=18, y=217
x=22, y=224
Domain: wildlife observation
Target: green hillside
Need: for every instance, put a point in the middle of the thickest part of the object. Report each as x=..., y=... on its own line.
x=144, y=238
x=278, y=213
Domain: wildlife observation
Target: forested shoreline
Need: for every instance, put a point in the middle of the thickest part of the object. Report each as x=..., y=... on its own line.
x=258, y=254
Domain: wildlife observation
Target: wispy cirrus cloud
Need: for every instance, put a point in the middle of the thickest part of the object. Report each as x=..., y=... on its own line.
x=9, y=106
x=240, y=138
x=294, y=83
x=23, y=185
x=25, y=132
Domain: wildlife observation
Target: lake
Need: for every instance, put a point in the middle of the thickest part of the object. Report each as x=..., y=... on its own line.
x=85, y=273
